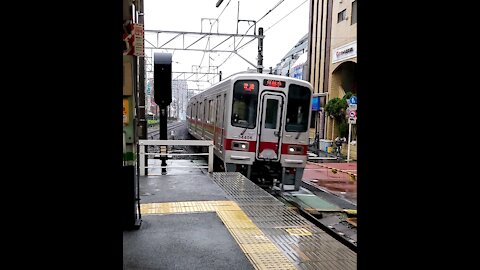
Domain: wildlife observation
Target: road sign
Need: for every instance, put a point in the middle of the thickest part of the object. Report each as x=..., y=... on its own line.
x=353, y=100
x=352, y=116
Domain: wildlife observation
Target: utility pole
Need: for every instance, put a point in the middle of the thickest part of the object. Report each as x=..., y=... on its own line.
x=142, y=121
x=260, y=50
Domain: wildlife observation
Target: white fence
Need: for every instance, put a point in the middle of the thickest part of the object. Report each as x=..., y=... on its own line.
x=145, y=143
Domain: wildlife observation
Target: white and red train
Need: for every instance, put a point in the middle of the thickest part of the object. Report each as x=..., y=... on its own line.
x=259, y=124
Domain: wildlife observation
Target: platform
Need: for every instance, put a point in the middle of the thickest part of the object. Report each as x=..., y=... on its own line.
x=195, y=220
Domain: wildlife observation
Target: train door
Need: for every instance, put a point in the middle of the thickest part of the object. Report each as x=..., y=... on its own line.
x=198, y=122
x=218, y=126
x=204, y=117
x=222, y=120
x=268, y=145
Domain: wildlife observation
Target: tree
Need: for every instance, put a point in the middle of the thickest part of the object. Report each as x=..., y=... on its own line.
x=337, y=108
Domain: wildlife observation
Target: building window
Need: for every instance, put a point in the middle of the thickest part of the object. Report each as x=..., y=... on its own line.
x=354, y=12
x=342, y=15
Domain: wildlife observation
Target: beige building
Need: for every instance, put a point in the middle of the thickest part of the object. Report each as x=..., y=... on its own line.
x=332, y=57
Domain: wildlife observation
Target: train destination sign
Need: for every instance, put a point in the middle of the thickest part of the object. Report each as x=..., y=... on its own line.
x=273, y=83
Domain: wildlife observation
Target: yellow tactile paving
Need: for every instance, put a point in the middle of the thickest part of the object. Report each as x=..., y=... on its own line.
x=258, y=248
x=298, y=231
x=261, y=252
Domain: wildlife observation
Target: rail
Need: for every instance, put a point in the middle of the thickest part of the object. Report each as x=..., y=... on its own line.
x=143, y=143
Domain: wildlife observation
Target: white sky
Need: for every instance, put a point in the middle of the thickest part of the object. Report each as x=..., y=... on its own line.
x=186, y=15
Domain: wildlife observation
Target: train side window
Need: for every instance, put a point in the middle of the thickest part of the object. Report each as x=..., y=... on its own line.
x=212, y=111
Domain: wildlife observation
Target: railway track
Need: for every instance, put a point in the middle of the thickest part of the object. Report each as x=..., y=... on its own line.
x=154, y=134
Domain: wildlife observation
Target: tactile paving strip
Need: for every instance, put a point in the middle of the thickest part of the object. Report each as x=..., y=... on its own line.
x=304, y=244
x=258, y=248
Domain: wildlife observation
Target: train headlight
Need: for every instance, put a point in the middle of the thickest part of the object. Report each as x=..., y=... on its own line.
x=240, y=146
x=295, y=149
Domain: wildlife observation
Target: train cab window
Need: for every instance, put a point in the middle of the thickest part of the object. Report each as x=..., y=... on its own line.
x=298, y=107
x=244, y=107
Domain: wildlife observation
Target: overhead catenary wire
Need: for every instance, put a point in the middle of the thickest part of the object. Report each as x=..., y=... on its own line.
x=211, y=27
x=268, y=12
x=286, y=15
x=276, y=22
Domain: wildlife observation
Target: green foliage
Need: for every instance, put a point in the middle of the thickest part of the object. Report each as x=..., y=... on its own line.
x=336, y=107
x=348, y=95
x=343, y=129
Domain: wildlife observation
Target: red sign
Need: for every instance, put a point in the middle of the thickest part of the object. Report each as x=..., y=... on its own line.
x=248, y=87
x=133, y=38
x=353, y=114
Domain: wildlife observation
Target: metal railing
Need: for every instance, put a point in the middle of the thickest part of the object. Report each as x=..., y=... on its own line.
x=145, y=143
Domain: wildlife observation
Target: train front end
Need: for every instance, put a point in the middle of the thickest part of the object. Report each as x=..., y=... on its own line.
x=267, y=135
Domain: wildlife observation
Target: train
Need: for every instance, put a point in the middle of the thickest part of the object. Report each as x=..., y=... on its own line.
x=259, y=124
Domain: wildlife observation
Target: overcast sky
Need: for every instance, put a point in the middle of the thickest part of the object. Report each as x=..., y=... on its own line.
x=186, y=15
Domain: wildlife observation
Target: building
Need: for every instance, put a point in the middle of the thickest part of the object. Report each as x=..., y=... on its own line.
x=293, y=63
x=332, y=58
x=178, y=107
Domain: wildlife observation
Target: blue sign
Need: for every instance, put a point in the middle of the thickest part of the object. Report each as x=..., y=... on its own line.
x=315, y=104
x=353, y=100
x=297, y=72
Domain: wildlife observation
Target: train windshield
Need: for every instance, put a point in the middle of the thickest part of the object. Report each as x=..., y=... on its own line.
x=244, y=108
x=298, y=108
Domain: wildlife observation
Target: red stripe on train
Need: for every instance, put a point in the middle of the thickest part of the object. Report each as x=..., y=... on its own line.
x=285, y=147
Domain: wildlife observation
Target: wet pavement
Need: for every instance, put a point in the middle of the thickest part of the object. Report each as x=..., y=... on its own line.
x=333, y=177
